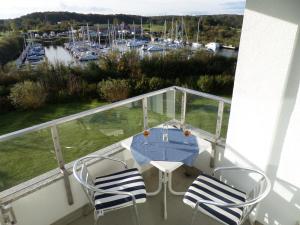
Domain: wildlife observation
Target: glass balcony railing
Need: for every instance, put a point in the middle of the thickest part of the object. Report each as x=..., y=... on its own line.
x=201, y=112
x=90, y=133
x=30, y=152
x=25, y=157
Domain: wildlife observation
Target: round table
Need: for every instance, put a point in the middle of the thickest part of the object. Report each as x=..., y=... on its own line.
x=166, y=156
x=178, y=148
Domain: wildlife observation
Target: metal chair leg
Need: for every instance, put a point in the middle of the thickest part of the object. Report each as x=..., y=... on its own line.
x=96, y=217
x=195, y=213
x=136, y=213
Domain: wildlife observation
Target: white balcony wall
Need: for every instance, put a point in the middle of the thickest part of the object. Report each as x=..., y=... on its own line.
x=264, y=124
x=52, y=198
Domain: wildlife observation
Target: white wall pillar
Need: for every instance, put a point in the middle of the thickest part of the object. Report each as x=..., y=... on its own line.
x=264, y=127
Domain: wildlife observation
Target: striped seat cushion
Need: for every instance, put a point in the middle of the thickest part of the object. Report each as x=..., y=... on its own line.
x=209, y=188
x=128, y=181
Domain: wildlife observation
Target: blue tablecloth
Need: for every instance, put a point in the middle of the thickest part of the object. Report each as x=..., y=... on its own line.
x=175, y=150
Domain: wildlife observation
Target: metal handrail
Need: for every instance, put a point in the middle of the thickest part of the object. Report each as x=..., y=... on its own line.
x=105, y=108
x=204, y=95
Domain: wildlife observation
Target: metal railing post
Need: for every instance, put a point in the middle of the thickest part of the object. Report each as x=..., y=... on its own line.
x=7, y=215
x=145, y=113
x=183, y=108
x=174, y=99
x=218, y=132
x=219, y=119
x=61, y=164
x=2, y=216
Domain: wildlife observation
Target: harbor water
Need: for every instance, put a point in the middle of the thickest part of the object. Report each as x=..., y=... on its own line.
x=59, y=54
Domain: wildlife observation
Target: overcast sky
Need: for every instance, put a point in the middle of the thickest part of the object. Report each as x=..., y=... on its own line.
x=16, y=8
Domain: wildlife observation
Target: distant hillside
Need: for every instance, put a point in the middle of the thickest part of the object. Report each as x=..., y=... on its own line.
x=54, y=17
x=225, y=29
x=37, y=19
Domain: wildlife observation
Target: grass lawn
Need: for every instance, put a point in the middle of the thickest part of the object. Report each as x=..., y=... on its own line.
x=17, y=120
x=25, y=157
x=154, y=27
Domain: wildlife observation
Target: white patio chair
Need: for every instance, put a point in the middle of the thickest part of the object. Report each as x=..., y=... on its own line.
x=221, y=201
x=113, y=191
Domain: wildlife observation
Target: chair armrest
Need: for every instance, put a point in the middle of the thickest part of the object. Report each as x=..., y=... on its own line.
x=90, y=187
x=237, y=168
x=116, y=160
x=103, y=157
x=259, y=197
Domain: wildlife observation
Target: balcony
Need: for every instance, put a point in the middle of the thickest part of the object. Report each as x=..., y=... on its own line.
x=36, y=167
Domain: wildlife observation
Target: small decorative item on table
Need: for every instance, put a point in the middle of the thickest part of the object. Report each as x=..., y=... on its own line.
x=146, y=134
x=165, y=133
x=186, y=132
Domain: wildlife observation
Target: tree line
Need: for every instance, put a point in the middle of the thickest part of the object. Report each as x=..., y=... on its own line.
x=126, y=74
x=11, y=46
x=220, y=28
x=33, y=20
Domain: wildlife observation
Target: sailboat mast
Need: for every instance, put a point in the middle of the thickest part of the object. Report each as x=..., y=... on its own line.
x=172, y=30
x=72, y=35
x=133, y=31
x=99, y=36
x=165, y=31
x=176, y=31
x=150, y=31
x=186, y=34
x=198, y=30
x=115, y=34
x=82, y=32
x=142, y=27
x=108, y=32
x=88, y=33
x=181, y=29
x=122, y=28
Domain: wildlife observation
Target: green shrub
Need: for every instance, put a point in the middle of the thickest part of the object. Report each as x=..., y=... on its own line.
x=114, y=90
x=10, y=48
x=139, y=86
x=92, y=73
x=109, y=64
x=5, y=104
x=28, y=95
x=156, y=83
x=129, y=64
x=75, y=86
x=219, y=84
x=206, y=83
x=224, y=84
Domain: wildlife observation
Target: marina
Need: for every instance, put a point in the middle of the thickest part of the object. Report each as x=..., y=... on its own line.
x=91, y=43
x=55, y=54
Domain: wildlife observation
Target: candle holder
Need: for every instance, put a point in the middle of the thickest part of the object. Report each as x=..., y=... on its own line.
x=165, y=133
